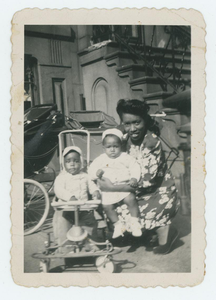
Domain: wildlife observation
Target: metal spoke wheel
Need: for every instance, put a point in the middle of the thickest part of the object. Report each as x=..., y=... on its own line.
x=104, y=264
x=36, y=205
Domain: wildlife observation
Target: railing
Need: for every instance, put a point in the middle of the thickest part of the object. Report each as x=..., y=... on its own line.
x=133, y=38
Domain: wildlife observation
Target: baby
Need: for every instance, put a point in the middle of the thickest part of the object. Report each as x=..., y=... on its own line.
x=72, y=184
x=120, y=168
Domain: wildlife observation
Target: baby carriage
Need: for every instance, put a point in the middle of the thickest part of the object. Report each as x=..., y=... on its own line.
x=42, y=124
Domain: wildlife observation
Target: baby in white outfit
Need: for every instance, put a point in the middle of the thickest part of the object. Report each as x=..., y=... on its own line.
x=72, y=183
x=120, y=168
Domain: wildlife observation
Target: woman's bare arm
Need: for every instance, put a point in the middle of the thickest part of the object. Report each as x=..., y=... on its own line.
x=107, y=186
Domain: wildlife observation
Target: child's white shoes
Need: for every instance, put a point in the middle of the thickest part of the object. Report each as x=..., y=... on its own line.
x=135, y=227
x=118, y=230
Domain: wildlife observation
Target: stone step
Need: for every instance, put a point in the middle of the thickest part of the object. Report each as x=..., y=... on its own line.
x=131, y=70
x=152, y=52
x=157, y=96
x=120, y=58
x=114, y=46
x=167, y=52
x=154, y=100
x=134, y=71
x=150, y=84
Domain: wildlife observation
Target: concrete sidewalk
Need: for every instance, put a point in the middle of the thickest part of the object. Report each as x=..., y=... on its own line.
x=134, y=257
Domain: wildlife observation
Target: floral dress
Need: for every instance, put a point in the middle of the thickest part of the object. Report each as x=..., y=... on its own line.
x=157, y=196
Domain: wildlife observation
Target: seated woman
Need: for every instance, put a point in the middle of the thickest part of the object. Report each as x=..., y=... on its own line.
x=156, y=194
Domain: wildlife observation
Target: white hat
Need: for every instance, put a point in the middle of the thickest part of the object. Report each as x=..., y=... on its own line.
x=72, y=148
x=112, y=131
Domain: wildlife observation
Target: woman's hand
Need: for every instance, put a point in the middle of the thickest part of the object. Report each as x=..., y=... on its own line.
x=140, y=184
x=105, y=184
x=139, y=187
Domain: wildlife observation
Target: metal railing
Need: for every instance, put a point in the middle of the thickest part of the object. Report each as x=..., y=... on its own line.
x=159, y=59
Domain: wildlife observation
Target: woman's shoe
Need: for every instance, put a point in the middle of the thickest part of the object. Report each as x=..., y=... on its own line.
x=151, y=242
x=172, y=237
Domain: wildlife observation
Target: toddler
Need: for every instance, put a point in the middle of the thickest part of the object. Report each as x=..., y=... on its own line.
x=72, y=184
x=120, y=168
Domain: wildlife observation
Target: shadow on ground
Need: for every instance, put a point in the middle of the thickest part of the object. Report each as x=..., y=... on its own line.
x=136, y=254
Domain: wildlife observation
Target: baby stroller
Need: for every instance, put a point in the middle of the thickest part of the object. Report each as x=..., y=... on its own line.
x=78, y=245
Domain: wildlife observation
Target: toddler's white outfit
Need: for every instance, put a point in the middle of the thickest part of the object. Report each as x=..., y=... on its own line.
x=119, y=171
x=67, y=185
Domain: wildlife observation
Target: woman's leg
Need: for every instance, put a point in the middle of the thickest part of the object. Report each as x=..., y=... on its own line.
x=163, y=234
x=167, y=235
x=132, y=205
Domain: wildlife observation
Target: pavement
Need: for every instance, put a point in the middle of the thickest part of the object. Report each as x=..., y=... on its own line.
x=135, y=257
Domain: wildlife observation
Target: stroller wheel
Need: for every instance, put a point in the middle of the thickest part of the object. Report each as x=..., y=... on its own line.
x=36, y=206
x=44, y=265
x=104, y=264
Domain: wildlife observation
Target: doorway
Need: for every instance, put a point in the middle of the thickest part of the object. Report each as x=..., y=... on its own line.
x=59, y=93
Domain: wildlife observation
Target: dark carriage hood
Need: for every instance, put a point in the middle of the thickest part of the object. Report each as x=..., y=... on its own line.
x=93, y=119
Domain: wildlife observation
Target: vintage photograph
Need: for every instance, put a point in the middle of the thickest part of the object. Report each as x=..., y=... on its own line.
x=108, y=148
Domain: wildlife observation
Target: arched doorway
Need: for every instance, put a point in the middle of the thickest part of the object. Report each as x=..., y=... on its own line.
x=100, y=95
